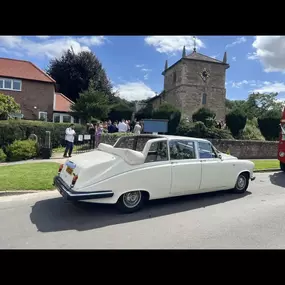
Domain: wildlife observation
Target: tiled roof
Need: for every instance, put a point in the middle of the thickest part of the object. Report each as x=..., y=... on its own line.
x=199, y=56
x=23, y=70
x=62, y=103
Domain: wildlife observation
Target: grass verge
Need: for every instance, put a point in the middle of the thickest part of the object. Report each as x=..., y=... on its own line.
x=266, y=164
x=28, y=176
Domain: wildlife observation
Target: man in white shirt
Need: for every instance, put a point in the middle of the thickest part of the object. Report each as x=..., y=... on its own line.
x=122, y=127
x=69, y=140
x=137, y=128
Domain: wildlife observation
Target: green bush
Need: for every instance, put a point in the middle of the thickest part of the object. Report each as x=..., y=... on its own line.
x=251, y=131
x=12, y=130
x=206, y=116
x=198, y=129
x=236, y=121
x=269, y=124
x=3, y=156
x=21, y=150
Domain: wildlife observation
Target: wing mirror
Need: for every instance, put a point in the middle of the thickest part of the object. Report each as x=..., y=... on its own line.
x=220, y=156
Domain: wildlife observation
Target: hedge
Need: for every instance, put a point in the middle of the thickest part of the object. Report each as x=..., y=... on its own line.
x=11, y=130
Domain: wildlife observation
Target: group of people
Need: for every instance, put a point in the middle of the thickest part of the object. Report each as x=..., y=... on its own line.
x=96, y=130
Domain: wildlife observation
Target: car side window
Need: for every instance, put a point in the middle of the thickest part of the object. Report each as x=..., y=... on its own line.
x=206, y=150
x=182, y=149
x=157, y=152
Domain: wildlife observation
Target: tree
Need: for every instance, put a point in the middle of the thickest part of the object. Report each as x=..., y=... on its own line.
x=168, y=112
x=204, y=115
x=7, y=106
x=269, y=124
x=236, y=121
x=120, y=111
x=145, y=112
x=256, y=104
x=92, y=104
x=73, y=73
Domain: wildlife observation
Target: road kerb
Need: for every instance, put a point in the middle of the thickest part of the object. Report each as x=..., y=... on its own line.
x=266, y=170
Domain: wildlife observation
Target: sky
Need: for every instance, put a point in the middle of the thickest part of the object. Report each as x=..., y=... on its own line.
x=134, y=63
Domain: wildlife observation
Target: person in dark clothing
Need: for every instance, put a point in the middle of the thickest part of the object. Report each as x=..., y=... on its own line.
x=112, y=128
x=91, y=132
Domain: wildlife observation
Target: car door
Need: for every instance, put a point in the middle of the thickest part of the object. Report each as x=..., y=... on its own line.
x=185, y=165
x=216, y=173
x=157, y=169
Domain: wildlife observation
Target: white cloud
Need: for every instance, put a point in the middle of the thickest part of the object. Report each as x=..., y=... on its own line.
x=139, y=65
x=215, y=56
x=252, y=56
x=258, y=86
x=234, y=58
x=52, y=47
x=145, y=77
x=173, y=44
x=134, y=91
x=270, y=51
x=43, y=37
x=145, y=69
x=237, y=42
x=92, y=40
x=268, y=87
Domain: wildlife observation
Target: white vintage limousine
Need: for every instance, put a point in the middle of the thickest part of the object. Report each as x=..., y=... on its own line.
x=146, y=167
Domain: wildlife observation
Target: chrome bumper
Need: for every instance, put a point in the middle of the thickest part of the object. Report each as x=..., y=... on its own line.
x=69, y=194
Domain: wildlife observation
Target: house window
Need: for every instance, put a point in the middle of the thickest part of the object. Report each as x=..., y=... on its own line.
x=17, y=85
x=10, y=84
x=66, y=119
x=43, y=116
x=7, y=84
x=204, y=99
x=56, y=118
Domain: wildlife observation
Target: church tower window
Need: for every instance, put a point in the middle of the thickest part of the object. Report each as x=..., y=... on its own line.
x=174, y=77
x=204, y=99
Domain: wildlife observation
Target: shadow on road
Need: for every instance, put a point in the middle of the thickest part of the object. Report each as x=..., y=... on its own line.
x=277, y=178
x=58, y=215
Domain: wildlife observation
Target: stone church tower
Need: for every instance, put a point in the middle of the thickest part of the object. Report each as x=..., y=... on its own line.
x=193, y=82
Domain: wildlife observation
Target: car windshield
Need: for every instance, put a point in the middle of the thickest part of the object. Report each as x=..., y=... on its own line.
x=133, y=142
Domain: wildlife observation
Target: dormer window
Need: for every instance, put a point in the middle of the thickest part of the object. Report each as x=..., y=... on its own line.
x=10, y=84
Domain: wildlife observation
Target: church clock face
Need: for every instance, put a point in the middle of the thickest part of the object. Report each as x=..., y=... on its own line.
x=205, y=74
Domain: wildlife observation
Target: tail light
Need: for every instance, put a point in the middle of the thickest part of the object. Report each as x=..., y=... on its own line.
x=74, y=179
x=60, y=168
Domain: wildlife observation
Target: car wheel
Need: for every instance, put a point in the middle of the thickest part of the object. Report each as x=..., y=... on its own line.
x=131, y=202
x=242, y=183
x=282, y=166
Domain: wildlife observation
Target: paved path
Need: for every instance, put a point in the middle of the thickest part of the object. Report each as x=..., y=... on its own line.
x=55, y=159
x=216, y=220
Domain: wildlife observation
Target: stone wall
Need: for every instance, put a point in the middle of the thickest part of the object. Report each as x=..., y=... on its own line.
x=248, y=149
x=240, y=149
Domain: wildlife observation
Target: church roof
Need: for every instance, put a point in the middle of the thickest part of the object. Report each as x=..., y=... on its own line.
x=196, y=56
x=199, y=56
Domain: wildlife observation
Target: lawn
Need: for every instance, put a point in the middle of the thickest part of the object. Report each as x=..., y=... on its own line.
x=28, y=176
x=266, y=164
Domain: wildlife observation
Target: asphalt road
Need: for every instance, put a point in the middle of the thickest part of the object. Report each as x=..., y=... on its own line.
x=216, y=220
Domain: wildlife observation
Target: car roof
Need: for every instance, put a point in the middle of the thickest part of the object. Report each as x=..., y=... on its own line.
x=169, y=137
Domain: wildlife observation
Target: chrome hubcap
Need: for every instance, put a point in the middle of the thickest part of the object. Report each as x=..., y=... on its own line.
x=241, y=182
x=132, y=199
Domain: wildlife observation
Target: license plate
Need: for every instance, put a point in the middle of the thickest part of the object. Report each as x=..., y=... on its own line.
x=69, y=170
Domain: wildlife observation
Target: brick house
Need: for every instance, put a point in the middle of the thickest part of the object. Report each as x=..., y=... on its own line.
x=34, y=90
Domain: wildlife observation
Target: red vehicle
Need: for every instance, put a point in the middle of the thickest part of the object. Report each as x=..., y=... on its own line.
x=281, y=145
